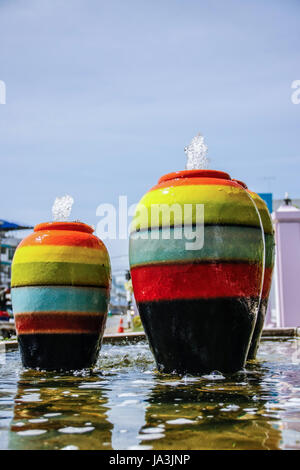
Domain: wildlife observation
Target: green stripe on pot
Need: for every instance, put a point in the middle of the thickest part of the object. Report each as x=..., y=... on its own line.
x=270, y=250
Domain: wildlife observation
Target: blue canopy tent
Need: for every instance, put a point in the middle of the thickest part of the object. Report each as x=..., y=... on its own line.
x=6, y=226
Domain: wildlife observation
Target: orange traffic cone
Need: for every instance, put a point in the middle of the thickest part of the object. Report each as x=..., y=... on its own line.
x=121, y=328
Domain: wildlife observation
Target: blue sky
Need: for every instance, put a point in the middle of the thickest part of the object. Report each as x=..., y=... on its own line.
x=102, y=97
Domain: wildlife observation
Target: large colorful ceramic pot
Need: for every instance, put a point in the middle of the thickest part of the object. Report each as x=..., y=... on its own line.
x=60, y=293
x=198, y=306
x=269, y=265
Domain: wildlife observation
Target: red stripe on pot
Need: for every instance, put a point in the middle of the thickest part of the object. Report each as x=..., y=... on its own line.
x=267, y=282
x=27, y=323
x=196, y=280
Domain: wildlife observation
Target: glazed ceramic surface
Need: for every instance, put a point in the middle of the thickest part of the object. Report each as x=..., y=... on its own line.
x=198, y=307
x=60, y=293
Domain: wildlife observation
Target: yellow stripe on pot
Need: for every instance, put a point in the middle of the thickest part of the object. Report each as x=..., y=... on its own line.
x=61, y=253
x=222, y=205
x=263, y=212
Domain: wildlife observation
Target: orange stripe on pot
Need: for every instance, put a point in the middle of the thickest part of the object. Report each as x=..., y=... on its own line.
x=65, y=238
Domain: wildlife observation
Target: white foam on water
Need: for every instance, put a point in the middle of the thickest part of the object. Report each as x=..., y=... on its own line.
x=214, y=376
x=32, y=432
x=196, y=154
x=181, y=421
x=230, y=408
x=70, y=447
x=93, y=384
x=76, y=430
x=175, y=383
x=38, y=420
x=150, y=437
x=156, y=430
x=30, y=397
x=61, y=208
x=190, y=379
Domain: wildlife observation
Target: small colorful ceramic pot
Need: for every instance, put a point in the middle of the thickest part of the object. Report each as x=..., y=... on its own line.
x=198, y=306
x=60, y=291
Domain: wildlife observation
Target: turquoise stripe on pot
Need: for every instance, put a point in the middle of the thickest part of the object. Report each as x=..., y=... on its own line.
x=238, y=244
x=59, y=298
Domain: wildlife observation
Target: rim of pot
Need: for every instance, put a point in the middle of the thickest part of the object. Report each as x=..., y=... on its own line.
x=241, y=183
x=75, y=226
x=195, y=174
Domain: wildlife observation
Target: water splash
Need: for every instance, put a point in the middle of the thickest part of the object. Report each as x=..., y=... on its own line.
x=196, y=154
x=61, y=208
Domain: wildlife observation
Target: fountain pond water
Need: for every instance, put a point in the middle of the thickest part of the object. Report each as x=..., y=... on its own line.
x=128, y=405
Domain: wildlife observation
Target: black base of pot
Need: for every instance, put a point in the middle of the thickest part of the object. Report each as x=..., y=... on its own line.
x=196, y=336
x=258, y=330
x=59, y=351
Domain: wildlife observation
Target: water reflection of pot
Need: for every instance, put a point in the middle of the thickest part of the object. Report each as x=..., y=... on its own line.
x=198, y=306
x=60, y=290
x=53, y=411
x=208, y=415
x=269, y=265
